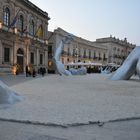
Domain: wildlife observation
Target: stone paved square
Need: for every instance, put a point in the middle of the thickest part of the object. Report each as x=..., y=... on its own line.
x=62, y=100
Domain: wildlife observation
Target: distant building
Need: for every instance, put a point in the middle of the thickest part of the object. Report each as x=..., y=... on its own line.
x=118, y=49
x=23, y=35
x=103, y=51
x=79, y=50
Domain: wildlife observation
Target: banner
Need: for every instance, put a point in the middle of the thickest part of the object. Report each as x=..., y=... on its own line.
x=14, y=21
x=39, y=32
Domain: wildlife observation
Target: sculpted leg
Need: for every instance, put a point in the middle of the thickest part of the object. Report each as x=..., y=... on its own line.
x=60, y=67
x=138, y=67
x=129, y=66
x=7, y=96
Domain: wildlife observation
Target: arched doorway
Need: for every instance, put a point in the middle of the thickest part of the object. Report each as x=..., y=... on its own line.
x=20, y=60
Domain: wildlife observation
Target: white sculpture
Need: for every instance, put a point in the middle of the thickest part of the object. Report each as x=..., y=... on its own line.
x=129, y=67
x=7, y=96
x=60, y=67
x=107, y=70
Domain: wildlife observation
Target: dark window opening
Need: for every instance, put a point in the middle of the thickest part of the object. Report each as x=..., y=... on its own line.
x=6, y=54
x=32, y=58
x=6, y=18
x=41, y=59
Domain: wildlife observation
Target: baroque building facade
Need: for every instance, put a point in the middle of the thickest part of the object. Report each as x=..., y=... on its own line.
x=104, y=51
x=23, y=35
x=118, y=49
x=24, y=39
x=79, y=50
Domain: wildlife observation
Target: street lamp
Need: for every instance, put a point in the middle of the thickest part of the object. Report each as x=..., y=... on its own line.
x=0, y=25
x=15, y=30
x=46, y=42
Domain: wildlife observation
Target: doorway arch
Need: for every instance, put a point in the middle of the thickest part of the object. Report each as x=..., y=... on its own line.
x=20, y=60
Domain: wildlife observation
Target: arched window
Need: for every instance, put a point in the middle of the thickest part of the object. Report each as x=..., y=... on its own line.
x=20, y=51
x=32, y=27
x=21, y=23
x=6, y=17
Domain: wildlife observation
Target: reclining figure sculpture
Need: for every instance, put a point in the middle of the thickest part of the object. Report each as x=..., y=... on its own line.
x=129, y=67
x=60, y=67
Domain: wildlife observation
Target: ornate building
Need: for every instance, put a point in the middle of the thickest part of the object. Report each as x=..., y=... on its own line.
x=23, y=35
x=24, y=41
x=79, y=50
x=104, y=51
x=118, y=49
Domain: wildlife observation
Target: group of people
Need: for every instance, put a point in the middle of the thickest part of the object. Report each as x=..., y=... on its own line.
x=32, y=72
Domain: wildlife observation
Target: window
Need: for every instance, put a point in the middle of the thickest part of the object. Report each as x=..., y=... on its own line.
x=6, y=54
x=32, y=58
x=104, y=57
x=68, y=51
x=74, y=51
x=6, y=18
x=99, y=56
x=32, y=26
x=21, y=23
x=89, y=54
x=94, y=54
x=50, y=52
x=41, y=59
x=84, y=53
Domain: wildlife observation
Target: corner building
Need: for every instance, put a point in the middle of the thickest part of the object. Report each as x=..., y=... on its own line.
x=23, y=35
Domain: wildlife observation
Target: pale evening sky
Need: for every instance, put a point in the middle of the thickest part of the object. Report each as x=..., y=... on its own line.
x=92, y=19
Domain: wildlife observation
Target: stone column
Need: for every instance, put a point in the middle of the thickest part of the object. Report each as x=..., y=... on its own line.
x=46, y=58
x=12, y=55
x=15, y=53
x=27, y=55
x=37, y=57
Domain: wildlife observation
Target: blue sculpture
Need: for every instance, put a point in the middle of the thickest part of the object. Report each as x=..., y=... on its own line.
x=7, y=96
x=60, y=67
x=129, y=67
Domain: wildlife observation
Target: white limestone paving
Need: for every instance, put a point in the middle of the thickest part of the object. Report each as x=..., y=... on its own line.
x=69, y=100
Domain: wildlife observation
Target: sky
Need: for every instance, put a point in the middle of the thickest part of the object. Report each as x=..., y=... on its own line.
x=93, y=19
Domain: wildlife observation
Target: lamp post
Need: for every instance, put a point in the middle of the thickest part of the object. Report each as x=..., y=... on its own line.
x=15, y=30
x=0, y=25
x=46, y=42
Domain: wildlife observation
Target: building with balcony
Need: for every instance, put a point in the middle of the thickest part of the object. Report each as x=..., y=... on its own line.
x=118, y=49
x=23, y=35
x=79, y=50
x=104, y=51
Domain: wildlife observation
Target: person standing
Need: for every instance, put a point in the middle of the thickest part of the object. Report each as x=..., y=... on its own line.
x=27, y=71
x=34, y=73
